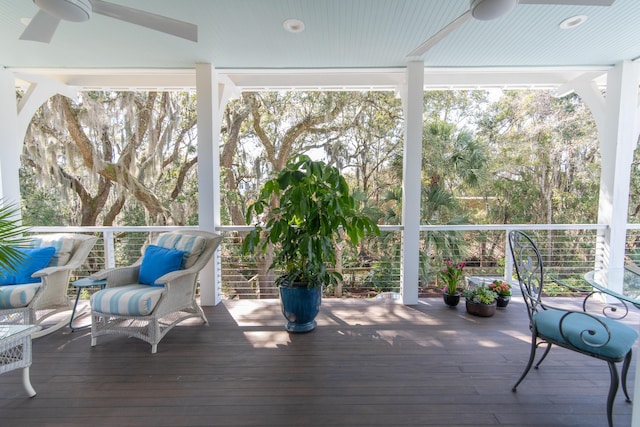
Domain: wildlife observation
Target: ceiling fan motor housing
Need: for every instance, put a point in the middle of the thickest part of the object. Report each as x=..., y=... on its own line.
x=486, y=10
x=67, y=10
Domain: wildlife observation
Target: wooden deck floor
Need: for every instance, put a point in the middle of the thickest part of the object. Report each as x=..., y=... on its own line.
x=369, y=363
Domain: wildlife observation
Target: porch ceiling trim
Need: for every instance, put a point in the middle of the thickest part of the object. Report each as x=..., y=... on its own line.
x=315, y=79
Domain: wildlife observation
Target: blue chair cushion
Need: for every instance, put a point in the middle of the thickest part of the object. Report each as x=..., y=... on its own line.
x=158, y=261
x=16, y=296
x=129, y=300
x=35, y=259
x=574, y=327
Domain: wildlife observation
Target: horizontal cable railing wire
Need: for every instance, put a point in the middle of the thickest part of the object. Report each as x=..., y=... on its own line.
x=633, y=244
x=569, y=250
x=245, y=276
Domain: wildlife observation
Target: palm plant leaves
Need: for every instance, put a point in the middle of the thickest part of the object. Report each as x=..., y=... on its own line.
x=11, y=235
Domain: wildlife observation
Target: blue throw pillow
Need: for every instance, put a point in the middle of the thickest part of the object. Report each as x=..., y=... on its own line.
x=35, y=259
x=158, y=261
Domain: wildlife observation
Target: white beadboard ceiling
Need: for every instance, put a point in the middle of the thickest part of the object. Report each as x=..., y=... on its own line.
x=248, y=34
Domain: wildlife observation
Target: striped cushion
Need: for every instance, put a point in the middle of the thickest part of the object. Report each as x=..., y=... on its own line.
x=63, y=245
x=14, y=296
x=190, y=244
x=129, y=300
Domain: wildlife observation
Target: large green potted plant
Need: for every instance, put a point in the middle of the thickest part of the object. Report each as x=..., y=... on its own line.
x=303, y=211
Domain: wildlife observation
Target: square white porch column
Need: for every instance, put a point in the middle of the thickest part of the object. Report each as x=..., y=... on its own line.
x=413, y=103
x=209, y=118
x=618, y=140
x=9, y=139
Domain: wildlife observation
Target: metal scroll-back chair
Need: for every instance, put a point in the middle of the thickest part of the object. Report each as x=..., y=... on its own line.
x=595, y=336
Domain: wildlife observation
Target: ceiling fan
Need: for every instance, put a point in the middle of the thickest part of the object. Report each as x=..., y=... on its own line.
x=486, y=10
x=44, y=23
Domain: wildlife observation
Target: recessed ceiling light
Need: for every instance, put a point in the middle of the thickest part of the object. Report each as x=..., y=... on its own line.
x=573, y=22
x=293, y=25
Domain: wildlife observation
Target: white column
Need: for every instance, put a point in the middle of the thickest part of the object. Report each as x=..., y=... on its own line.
x=617, y=118
x=10, y=141
x=618, y=139
x=208, y=174
x=213, y=94
x=413, y=103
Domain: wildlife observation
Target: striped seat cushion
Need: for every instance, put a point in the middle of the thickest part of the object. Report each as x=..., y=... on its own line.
x=63, y=246
x=191, y=245
x=15, y=296
x=129, y=300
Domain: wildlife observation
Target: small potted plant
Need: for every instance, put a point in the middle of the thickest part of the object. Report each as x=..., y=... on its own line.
x=481, y=301
x=503, y=290
x=451, y=275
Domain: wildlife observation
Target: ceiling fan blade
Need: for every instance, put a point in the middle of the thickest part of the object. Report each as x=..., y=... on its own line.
x=570, y=2
x=41, y=28
x=434, y=39
x=160, y=23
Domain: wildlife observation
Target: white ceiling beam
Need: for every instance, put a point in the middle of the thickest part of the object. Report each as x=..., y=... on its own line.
x=318, y=79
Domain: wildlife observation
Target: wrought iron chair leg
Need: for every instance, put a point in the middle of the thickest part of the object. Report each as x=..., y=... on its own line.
x=625, y=370
x=613, y=389
x=532, y=357
x=546, y=351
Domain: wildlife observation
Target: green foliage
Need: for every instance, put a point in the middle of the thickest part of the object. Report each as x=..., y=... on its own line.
x=509, y=157
x=11, y=235
x=304, y=210
x=382, y=276
x=41, y=206
x=451, y=275
x=105, y=151
x=481, y=294
x=453, y=164
x=634, y=190
x=501, y=288
x=545, y=159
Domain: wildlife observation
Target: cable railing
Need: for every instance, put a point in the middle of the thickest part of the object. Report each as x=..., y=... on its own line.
x=569, y=250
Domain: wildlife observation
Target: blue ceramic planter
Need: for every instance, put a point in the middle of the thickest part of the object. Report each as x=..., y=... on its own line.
x=300, y=306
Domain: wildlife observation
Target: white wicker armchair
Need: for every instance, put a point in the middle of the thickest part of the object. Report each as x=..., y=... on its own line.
x=148, y=311
x=34, y=303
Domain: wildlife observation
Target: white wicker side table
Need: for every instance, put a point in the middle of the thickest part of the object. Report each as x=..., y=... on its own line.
x=15, y=351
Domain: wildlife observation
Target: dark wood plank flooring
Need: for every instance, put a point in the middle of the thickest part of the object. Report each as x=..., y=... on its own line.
x=369, y=363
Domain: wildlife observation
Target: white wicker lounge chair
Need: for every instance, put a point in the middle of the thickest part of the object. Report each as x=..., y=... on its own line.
x=33, y=303
x=147, y=299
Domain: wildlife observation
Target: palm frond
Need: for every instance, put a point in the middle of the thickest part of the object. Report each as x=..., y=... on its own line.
x=11, y=236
